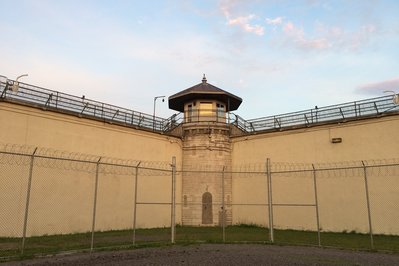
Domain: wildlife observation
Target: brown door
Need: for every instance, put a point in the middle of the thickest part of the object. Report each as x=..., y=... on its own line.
x=207, y=217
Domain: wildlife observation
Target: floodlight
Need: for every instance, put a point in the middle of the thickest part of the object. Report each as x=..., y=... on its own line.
x=395, y=98
x=15, y=86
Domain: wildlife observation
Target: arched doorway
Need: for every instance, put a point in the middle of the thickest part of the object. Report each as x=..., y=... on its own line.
x=207, y=216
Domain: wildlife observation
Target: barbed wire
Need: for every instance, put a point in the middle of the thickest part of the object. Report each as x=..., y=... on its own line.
x=13, y=154
x=204, y=168
x=17, y=149
x=286, y=167
x=256, y=167
x=376, y=167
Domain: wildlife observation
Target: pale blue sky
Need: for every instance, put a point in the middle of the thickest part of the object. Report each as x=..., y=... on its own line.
x=279, y=56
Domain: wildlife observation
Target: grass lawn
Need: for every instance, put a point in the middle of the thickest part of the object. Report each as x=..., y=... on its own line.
x=10, y=247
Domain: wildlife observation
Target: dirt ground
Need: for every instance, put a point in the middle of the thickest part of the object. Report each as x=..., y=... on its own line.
x=219, y=254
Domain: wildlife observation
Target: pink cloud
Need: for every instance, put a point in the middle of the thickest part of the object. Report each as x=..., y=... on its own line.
x=379, y=87
x=291, y=30
x=242, y=22
x=298, y=37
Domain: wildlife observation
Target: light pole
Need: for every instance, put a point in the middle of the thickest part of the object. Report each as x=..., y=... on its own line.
x=155, y=101
x=395, y=98
x=15, y=86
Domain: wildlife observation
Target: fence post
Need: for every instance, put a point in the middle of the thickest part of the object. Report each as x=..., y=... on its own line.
x=56, y=100
x=317, y=205
x=135, y=202
x=28, y=200
x=368, y=204
x=94, y=205
x=270, y=199
x=173, y=207
x=223, y=209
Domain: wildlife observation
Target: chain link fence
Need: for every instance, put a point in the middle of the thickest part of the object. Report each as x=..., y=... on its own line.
x=310, y=203
x=53, y=201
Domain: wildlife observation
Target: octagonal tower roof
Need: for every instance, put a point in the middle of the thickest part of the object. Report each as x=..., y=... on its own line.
x=204, y=91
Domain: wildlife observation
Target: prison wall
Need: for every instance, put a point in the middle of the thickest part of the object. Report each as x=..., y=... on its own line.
x=341, y=193
x=62, y=192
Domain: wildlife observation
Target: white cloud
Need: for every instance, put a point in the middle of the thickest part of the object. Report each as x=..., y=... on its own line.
x=225, y=7
x=361, y=37
x=349, y=40
x=327, y=37
x=242, y=22
x=298, y=37
x=274, y=21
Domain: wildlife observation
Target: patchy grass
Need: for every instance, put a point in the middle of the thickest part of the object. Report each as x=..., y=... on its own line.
x=122, y=239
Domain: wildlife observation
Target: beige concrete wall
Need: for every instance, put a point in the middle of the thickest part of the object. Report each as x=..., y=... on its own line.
x=62, y=200
x=342, y=198
x=367, y=139
x=250, y=195
x=30, y=126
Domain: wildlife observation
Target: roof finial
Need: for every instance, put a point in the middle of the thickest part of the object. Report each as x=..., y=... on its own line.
x=204, y=79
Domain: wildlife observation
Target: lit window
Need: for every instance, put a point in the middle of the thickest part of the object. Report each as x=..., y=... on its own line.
x=205, y=108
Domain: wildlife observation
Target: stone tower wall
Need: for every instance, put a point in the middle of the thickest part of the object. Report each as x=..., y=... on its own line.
x=206, y=148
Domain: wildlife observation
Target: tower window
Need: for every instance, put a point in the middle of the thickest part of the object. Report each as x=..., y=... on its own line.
x=189, y=112
x=206, y=108
x=221, y=112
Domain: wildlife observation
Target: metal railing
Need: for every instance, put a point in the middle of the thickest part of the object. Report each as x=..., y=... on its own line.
x=22, y=93
x=205, y=115
x=330, y=114
x=334, y=113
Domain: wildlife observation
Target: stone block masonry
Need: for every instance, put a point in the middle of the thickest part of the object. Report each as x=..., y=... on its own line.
x=206, y=152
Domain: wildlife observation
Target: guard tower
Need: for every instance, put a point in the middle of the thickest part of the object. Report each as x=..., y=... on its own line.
x=206, y=151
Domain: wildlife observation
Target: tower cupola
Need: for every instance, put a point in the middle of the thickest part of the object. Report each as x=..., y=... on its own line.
x=204, y=102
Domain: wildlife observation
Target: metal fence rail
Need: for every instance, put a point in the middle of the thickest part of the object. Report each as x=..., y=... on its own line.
x=23, y=93
x=341, y=112
x=57, y=101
